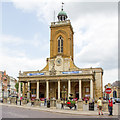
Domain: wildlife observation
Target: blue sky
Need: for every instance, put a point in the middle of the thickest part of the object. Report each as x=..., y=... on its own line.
x=26, y=26
x=25, y=35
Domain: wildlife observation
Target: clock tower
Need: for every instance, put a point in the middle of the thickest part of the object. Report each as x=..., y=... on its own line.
x=61, y=40
x=61, y=43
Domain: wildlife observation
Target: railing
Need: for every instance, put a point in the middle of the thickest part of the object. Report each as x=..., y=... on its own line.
x=60, y=22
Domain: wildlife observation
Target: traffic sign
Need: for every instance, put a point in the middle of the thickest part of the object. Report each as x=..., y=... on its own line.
x=108, y=90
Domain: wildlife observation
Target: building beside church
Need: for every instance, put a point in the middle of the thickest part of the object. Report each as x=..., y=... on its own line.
x=115, y=87
x=60, y=75
x=7, y=85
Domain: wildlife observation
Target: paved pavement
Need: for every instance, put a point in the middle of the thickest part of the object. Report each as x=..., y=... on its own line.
x=15, y=111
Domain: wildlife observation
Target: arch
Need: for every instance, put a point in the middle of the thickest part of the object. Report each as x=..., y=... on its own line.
x=62, y=32
x=114, y=94
x=60, y=44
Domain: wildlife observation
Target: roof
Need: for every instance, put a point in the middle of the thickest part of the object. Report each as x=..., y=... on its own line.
x=62, y=13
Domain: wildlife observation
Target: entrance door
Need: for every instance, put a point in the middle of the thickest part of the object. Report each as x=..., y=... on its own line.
x=77, y=91
x=41, y=95
x=77, y=95
x=42, y=91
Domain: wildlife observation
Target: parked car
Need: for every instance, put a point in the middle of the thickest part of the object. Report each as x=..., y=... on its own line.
x=117, y=100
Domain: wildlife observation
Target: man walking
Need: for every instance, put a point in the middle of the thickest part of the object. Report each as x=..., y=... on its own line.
x=110, y=106
x=99, y=105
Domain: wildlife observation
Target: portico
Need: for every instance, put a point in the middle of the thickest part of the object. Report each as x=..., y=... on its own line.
x=53, y=85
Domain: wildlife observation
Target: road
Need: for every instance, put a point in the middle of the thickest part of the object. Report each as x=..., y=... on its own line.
x=15, y=112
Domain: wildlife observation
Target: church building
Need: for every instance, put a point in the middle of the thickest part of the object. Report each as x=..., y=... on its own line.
x=60, y=74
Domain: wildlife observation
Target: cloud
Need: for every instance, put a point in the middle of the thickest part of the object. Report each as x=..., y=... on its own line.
x=9, y=39
x=14, y=64
x=110, y=76
x=14, y=59
x=99, y=43
x=96, y=30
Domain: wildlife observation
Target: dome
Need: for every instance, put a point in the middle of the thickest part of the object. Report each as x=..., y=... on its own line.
x=62, y=15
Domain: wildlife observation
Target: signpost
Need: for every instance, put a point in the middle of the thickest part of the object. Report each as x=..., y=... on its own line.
x=108, y=90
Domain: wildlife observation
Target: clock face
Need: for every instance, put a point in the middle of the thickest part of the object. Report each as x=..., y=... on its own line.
x=58, y=61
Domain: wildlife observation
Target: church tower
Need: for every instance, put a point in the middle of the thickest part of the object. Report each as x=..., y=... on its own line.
x=61, y=43
x=61, y=40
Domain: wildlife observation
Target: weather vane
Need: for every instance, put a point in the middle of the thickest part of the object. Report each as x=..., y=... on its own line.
x=62, y=5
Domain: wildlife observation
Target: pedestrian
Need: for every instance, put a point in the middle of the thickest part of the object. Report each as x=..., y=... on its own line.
x=99, y=106
x=110, y=106
x=45, y=102
x=20, y=100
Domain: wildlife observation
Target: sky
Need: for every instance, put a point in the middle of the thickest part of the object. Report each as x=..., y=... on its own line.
x=25, y=35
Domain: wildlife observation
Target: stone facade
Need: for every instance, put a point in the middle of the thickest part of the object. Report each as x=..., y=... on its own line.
x=115, y=90
x=61, y=77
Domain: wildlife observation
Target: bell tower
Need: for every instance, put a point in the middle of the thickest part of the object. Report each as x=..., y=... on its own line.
x=61, y=37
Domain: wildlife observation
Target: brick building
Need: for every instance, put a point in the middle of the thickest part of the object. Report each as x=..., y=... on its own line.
x=5, y=84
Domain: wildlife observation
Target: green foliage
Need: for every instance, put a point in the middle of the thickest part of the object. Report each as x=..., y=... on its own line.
x=72, y=102
x=17, y=86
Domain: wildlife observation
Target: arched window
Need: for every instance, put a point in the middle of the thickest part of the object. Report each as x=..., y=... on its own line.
x=115, y=94
x=60, y=44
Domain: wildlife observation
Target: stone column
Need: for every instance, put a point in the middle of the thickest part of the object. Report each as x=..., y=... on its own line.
x=69, y=88
x=23, y=88
x=37, y=89
x=47, y=89
x=19, y=90
x=80, y=102
x=58, y=89
x=28, y=95
x=91, y=89
x=80, y=92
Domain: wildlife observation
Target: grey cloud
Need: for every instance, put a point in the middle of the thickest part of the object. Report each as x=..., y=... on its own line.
x=77, y=9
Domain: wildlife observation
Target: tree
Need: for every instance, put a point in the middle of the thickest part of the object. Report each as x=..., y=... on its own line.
x=17, y=86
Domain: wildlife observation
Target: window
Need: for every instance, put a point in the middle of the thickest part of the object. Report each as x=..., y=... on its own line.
x=60, y=44
x=87, y=90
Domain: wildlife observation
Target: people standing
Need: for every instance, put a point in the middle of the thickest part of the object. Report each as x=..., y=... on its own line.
x=20, y=100
x=99, y=106
x=110, y=106
x=45, y=102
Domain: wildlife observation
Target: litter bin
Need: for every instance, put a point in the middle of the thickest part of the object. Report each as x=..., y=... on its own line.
x=48, y=103
x=91, y=106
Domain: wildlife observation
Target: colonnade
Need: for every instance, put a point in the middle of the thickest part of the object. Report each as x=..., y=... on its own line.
x=47, y=89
